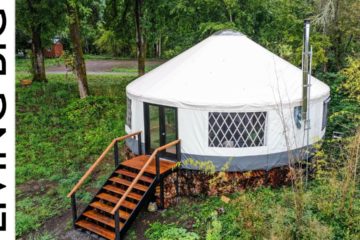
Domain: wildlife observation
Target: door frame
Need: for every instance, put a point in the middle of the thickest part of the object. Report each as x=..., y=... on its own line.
x=161, y=128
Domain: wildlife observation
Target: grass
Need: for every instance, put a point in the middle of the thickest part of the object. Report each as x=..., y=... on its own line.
x=263, y=213
x=111, y=57
x=24, y=64
x=133, y=69
x=58, y=136
x=104, y=57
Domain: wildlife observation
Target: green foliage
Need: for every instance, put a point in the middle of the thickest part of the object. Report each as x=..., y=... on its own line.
x=267, y=213
x=42, y=15
x=45, y=236
x=158, y=231
x=339, y=20
x=209, y=28
x=351, y=85
x=132, y=70
x=32, y=211
x=24, y=65
x=173, y=26
x=109, y=43
x=344, y=110
x=214, y=232
x=206, y=166
x=58, y=136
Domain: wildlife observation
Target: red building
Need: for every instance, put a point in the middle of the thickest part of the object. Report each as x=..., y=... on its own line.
x=56, y=50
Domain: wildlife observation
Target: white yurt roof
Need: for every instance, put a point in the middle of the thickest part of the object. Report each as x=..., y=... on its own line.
x=225, y=71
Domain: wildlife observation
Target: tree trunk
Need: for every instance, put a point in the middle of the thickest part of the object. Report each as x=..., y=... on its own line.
x=159, y=55
x=338, y=36
x=140, y=42
x=77, y=48
x=38, y=61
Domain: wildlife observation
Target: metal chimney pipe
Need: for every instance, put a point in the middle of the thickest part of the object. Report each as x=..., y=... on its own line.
x=306, y=61
x=306, y=67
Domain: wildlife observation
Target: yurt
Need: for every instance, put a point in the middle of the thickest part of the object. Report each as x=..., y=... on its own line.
x=230, y=101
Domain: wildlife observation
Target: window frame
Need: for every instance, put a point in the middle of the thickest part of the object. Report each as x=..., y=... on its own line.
x=240, y=129
x=298, y=116
x=128, y=119
x=325, y=113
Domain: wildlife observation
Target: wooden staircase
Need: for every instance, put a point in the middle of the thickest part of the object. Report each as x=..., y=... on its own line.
x=126, y=191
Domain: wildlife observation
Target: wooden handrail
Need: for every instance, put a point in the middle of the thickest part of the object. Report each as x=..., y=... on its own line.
x=102, y=156
x=153, y=155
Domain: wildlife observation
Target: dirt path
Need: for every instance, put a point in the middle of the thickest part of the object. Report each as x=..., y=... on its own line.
x=105, y=66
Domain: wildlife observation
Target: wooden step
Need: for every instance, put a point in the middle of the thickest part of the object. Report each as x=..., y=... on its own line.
x=128, y=183
x=94, y=215
x=127, y=173
x=117, y=190
x=139, y=161
x=115, y=200
x=96, y=229
x=106, y=208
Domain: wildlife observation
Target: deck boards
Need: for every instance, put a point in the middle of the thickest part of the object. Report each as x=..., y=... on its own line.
x=98, y=219
x=96, y=229
x=139, y=161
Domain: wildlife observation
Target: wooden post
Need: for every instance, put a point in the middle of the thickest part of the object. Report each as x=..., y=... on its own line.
x=139, y=144
x=178, y=151
x=116, y=154
x=73, y=208
x=177, y=182
x=161, y=193
x=157, y=167
x=117, y=225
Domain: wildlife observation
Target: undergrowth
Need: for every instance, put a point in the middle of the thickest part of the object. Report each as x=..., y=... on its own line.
x=58, y=136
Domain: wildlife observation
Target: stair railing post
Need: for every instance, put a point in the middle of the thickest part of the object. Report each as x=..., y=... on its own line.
x=116, y=154
x=157, y=167
x=73, y=208
x=139, y=144
x=117, y=225
x=161, y=193
x=178, y=158
x=160, y=180
x=178, y=151
x=177, y=182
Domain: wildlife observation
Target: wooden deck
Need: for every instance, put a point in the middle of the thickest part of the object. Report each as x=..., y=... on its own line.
x=128, y=189
x=139, y=161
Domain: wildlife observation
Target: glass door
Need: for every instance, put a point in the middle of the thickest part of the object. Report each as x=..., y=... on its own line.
x=160, y=128
x=154, y=127
x=170, y=128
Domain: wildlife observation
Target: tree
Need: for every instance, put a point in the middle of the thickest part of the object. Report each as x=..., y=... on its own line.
x=27, y=12
x=79, y=62
x=140, y=40
x=90, y=16
x=339, y=20
x=35, y=23
x=38, y=62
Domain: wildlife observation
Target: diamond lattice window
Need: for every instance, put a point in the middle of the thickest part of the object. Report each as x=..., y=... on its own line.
x=237, y=129
x=128, y=112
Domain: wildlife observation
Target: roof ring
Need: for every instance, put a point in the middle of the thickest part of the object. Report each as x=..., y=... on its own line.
x=228, y=32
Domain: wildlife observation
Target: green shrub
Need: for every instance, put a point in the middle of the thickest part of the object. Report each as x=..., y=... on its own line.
x=214, y=231
x=158, y=231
